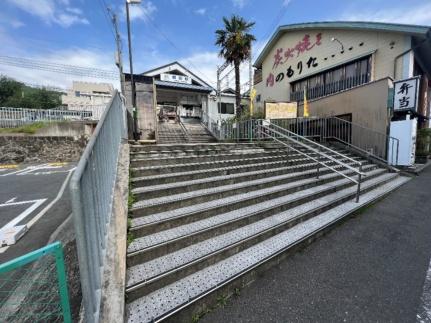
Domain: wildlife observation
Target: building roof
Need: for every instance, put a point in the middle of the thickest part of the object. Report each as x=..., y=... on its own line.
x=183, y=86
x=414, y=30
x=197, y=78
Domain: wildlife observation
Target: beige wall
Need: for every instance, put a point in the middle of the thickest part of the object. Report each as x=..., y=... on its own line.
x=377, y=43
x=368, y=105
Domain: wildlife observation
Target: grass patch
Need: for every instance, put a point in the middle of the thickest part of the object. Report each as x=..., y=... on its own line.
x=27, y=129
x=130, y=238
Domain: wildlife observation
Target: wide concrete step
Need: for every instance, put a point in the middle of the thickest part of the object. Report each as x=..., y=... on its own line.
x=239, y=269
x=175, y=201
x=150, y=246
x=188, y=146
x=207, y=208
x=193, y=166
x=149, y=276
x=168, y=160
x=206, y=162
x=140, y=179
x=244, y=181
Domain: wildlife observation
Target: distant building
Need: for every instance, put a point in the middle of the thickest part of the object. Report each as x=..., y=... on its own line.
x=86, y=94
x=178, y=90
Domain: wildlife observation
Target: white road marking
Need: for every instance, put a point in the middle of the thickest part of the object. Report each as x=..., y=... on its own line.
x=54, y=172
x=31, y=169
x=424, y=314
x=28, y=168
x=42, y=212
x=34, y=205
x=11, y=200
x=35, y=170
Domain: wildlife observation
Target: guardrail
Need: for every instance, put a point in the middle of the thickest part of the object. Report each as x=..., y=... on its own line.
x=17, y=117
x=368, y=141
x=92, y=188
x=33, y=287
x=294, y=141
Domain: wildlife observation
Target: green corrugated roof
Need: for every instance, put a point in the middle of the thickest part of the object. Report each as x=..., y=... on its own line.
x=414, y=30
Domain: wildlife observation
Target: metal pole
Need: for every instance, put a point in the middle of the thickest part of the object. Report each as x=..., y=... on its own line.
x=132, y=82
x=119, y=52
x=358, y=192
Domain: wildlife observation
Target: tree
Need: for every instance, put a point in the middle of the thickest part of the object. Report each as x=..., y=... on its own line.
x=235, y=42
x=14, y=94
x=8, y=89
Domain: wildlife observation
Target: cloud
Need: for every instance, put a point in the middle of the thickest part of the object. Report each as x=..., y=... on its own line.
x=201, y=11
x=204, y=64
x=11, y=21
x=143, y=12
x=75, y=11
x=420, y=15
x=51, y=11
x=286, y=3
x=83, y=57
x=239, y=3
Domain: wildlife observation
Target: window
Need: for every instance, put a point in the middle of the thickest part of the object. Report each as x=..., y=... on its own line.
x=227, y=108
x=258, y=98
x=77, y=93
x=335, y=80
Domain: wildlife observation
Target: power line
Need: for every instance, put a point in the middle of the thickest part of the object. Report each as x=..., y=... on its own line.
x=58, y=68
x=105, y=9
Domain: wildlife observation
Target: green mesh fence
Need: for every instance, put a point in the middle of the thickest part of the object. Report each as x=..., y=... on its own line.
x=33, y=287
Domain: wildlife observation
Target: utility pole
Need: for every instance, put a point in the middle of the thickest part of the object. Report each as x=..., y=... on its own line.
x=251, y=80
x=132, y=81
x=119, y=56
x=220, y=70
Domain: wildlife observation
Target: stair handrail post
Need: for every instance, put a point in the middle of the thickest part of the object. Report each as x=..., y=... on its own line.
x=318, y=163
x=358, y=192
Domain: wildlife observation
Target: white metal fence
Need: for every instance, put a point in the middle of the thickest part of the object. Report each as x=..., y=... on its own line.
x=92, y=187
x=16, y=117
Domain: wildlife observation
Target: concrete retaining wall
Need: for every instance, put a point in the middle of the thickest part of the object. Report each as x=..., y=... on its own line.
x=35, y=149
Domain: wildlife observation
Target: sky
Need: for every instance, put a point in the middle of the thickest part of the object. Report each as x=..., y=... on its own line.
x=79, y=32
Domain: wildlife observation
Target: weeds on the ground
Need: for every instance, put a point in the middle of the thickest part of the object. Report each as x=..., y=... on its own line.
x=27, y=129
x=130, y=238
x=222, y=300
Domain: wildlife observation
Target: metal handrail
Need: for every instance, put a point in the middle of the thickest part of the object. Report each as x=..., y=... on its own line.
x=372, y=143
x=318, y=145
x=388, y=138
x=319, y=154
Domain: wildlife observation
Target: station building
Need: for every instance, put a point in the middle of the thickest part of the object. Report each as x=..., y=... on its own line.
x=177, y=90
x=346, y=68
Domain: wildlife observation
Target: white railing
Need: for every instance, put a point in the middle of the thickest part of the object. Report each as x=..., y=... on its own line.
x=17, y=117
x=92, y=188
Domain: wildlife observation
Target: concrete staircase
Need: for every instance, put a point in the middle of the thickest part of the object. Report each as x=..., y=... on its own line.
x=171, y=132
x=197, y=133
x=209, y=217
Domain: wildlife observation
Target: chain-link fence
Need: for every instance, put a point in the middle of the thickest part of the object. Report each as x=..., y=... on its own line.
x=33, y=287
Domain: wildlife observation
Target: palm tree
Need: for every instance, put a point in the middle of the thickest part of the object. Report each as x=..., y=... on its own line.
x=235, y=42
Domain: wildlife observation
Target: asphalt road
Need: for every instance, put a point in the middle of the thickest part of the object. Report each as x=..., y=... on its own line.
x=32, y=189
x=372, y=268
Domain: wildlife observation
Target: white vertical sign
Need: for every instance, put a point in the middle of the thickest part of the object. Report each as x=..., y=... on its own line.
x=406, y=94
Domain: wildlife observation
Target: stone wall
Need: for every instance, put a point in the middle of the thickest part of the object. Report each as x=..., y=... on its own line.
x=35, y=149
